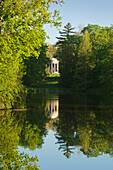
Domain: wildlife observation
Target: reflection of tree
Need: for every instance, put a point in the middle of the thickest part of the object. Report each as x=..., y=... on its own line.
x=65, y=133
x=64, y=146
x=10, y=158
x=96, y=136
x=31, y=136
x=88, y=126
x=34, y=124
x=24, y=129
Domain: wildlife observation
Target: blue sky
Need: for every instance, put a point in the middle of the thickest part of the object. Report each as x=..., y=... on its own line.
x=82, y=12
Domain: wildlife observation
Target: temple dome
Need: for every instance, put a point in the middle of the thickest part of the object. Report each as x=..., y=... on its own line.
x=54, y=59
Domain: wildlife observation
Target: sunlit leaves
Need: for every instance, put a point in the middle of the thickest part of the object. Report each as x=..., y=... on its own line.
x=21, y=32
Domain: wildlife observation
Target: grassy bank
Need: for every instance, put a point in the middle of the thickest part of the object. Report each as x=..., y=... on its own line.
x=52, y=84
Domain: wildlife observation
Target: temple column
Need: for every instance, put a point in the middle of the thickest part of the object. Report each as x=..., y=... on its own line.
x=51, y=68
x=58, y=68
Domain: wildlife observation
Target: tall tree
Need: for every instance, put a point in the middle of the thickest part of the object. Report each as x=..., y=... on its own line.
x=67, y=31
x=102, y=45
x=84, y=62
x=66, y=47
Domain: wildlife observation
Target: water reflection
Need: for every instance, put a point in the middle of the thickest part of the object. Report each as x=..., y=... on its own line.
x=78, y=121
x=53, y=108
x=88, y=125
x=11, y=125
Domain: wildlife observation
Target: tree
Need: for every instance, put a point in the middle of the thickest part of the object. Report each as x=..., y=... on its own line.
x=67, y=31
x=35, y=68
x=91, y=28
x=51, y=50
x=105, y=63
x=66, y=47
x=85, y=62
x=21, y=32
x=102, y=45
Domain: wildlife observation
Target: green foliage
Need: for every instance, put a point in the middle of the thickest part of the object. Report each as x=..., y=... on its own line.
x=21, y=32
x=51, y=50
x=85, y=62
x=102, y=51
x=10, y=72
x=66, y=55
x=86, y=59
x=35, y=68
x=91, y=28
x=67, y=31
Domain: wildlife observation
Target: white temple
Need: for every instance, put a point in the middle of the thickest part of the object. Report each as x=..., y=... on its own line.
x=53, y=67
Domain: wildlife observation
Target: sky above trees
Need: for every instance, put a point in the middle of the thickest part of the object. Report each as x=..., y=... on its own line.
x=82, y=12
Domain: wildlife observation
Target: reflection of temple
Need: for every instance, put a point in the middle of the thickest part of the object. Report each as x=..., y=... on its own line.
x=53, y=67
x=53, y=108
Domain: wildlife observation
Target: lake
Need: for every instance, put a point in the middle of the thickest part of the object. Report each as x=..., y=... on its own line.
x=67, y=131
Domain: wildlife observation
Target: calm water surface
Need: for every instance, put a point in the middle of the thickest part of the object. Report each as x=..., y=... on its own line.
x=66, y=131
